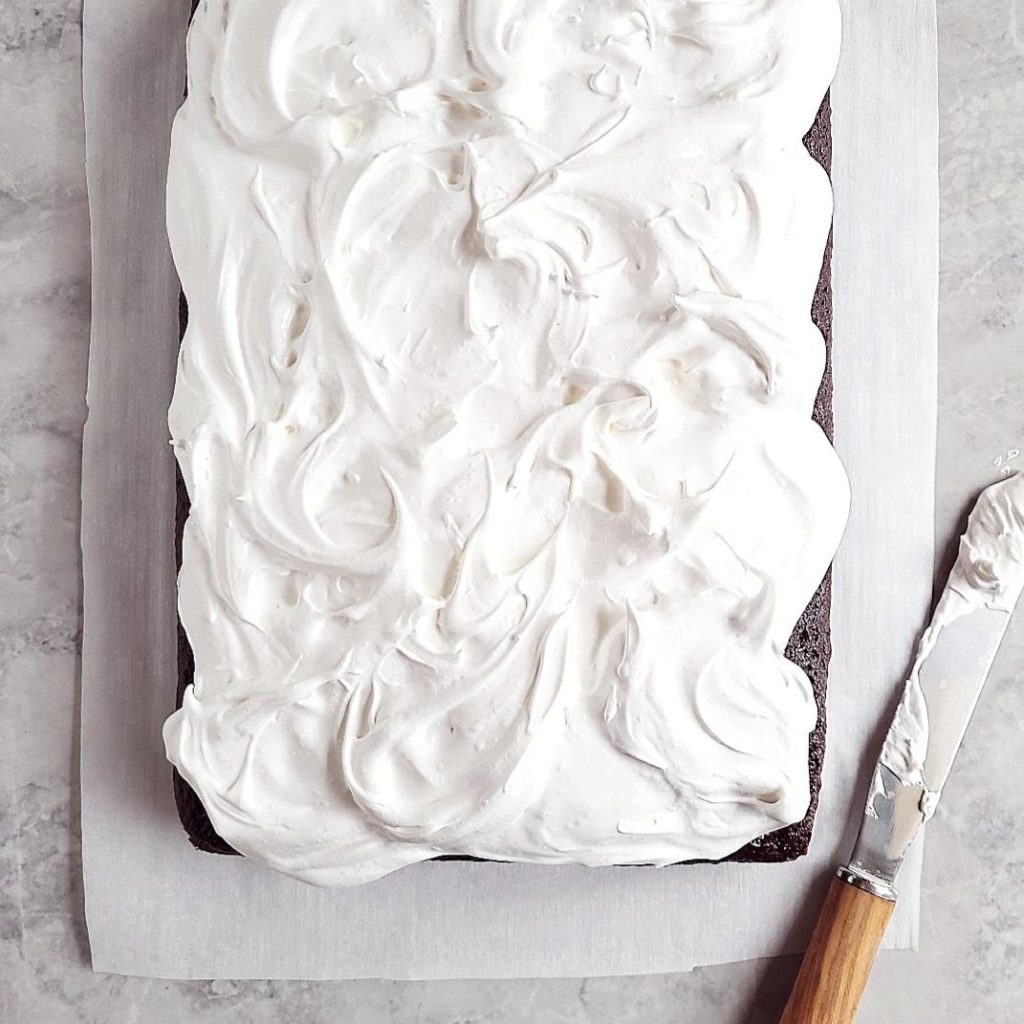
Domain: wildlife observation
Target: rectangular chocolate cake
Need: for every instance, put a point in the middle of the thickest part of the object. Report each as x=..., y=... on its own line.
x=500, y=798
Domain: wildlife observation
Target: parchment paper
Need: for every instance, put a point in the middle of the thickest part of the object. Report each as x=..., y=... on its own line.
x=156, y=907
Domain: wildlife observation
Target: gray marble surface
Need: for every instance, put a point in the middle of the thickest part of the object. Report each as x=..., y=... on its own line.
x=971, y=966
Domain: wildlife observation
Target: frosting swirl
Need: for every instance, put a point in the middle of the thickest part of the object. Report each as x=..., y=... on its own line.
x=495, y=412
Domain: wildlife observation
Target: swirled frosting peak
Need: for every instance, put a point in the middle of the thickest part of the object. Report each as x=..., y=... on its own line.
x=495, y=413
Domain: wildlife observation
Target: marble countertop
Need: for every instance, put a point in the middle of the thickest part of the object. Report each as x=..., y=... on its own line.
x=971, y=965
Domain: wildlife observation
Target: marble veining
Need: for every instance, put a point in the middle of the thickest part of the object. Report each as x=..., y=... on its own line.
x=973, y=918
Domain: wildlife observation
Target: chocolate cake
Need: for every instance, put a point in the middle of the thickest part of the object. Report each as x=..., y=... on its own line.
x=414, y=642
x=809, y=646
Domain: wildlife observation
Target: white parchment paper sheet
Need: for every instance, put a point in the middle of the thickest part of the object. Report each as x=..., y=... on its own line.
x=156, y=907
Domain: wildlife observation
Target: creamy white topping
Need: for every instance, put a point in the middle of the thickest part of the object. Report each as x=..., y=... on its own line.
x=495, y=412
x=989, y=569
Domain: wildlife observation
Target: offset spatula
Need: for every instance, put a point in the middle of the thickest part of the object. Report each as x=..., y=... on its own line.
x=953, y=659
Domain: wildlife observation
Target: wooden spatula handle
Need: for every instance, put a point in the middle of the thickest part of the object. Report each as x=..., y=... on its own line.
x=838, y=961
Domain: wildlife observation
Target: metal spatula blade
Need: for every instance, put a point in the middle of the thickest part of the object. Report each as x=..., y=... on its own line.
x=947, y=684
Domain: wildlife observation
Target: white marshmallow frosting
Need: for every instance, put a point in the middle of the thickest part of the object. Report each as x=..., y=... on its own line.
x=495, y=412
